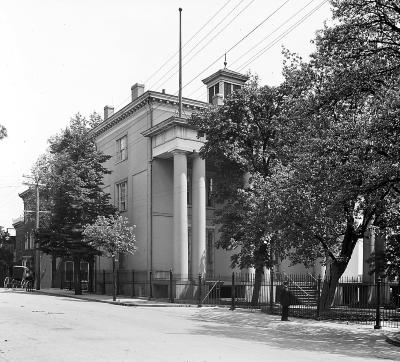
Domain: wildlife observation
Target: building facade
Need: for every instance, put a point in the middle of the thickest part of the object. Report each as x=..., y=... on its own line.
x=161, y=184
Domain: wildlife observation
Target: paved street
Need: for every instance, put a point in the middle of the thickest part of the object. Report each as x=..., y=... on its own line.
x=48, y=328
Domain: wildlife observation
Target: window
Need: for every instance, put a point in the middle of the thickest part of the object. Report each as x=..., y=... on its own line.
x=210, y=252
x=69, y=271
x=122, y=195
x=84, y=271
x=227, y=89
x=31, y=240
x=122, y=149
x=212, y=91
x=236, y=87
x=209, y=191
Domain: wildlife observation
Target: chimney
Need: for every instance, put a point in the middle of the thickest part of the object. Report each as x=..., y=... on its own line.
x=137, y=90
x=108, y=112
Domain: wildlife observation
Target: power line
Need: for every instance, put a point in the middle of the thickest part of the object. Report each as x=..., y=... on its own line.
x=154, y=85
x=288, y=31
x=235, y=45
x=186, y=43
x=279, y=37
x=275, y=30
x=238, y=42
x=193, y=36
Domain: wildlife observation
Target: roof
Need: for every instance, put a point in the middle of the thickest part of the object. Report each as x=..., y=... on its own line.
x=164, y=125
x=226, y=73
x=140, y=102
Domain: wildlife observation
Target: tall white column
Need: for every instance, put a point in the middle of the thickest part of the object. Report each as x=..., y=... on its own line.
x=368, y=249
x=180, y=266
x=198, y=216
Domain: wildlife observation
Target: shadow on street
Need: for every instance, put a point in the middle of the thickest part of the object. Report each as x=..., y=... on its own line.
x=298, y=334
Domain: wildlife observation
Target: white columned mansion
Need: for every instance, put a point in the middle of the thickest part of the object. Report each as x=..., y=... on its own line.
x=159, y=181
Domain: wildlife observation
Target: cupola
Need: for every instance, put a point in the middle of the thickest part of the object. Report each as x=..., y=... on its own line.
x=222, y=83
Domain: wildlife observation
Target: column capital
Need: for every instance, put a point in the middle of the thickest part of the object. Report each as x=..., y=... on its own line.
x=195, y=154
x=179, y=152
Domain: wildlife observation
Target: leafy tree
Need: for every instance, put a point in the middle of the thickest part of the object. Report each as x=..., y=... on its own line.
x=243, y=142
x=342, y=109
x=73, y=177
x=111, y=235
x=3, y=132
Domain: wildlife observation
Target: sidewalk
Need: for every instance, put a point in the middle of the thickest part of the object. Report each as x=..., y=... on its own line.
x=121, y=300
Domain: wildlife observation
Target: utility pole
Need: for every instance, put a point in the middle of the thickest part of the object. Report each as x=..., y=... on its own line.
x=37, y=251
x=37, y=224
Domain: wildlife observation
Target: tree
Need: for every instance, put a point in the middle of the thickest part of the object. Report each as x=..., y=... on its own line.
x=3, y=132
x=6, y=256
x=73, y=178
x=342, y=109
x=243, y=142
x=111, y=235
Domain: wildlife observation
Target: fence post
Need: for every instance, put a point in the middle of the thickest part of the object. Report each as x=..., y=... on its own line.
x=171, y=283
x=133, y=283
x=318, y=296
x=151, y=285
x=233, y=292
x=104, y=282
x=199, y=292
x=271, y=291
x=378, y=304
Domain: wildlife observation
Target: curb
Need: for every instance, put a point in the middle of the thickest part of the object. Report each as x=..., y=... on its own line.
x=393, y=339
x=124, y=304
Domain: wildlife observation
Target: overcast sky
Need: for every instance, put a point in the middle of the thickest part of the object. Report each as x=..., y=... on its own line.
x=60, y=57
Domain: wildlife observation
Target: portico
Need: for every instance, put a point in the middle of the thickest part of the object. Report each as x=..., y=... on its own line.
x=175, y=139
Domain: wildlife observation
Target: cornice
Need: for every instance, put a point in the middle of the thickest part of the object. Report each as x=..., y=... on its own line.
x=148, y=97
x=167, y=124
x=226, y=73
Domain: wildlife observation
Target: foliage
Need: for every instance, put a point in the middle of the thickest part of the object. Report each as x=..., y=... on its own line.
x=3, y=132
x=72, y=173
x=242, y=143
x=342, y=112
x=6, y=256
x=111, y=235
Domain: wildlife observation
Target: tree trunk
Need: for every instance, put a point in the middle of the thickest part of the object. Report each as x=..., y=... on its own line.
x=114, y=280
x=257, y=285
x=336, y=270
x=77, y=275
x=91, y=275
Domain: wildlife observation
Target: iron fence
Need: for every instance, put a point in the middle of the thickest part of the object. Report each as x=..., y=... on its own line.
x=372, y=302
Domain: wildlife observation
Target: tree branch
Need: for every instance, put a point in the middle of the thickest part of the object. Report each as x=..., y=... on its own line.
x=326, y=247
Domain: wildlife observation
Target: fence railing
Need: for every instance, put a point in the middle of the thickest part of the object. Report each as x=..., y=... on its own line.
x=373, y=302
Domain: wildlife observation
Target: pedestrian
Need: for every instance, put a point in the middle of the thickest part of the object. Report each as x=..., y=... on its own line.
x=284, y=299
x=29, y=280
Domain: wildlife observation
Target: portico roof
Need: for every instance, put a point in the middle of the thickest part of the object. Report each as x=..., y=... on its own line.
x=165, y=125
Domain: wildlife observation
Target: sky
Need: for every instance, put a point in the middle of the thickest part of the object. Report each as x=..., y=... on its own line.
x=61, y=57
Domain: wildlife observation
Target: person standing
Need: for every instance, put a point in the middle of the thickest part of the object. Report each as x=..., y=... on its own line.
x=284, y=299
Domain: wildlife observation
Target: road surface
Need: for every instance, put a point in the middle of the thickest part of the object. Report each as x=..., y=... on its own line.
x=37, y=327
